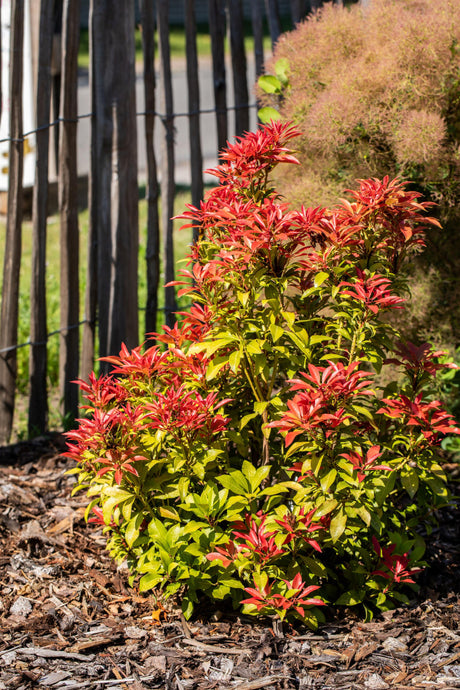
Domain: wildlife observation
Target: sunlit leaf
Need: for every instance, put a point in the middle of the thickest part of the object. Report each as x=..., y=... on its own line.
x=268, y=114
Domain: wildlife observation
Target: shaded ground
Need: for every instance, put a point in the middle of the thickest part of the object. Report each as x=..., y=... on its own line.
x=68, y=620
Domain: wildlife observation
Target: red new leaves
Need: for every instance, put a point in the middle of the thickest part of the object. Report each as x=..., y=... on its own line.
x=255, y=539
x=373, y=292
x=428, y=417
x=184, y=413
x=397, y=209
x=281, y=494
x=253, y=156
x=108, y=441
x=335, y=382
x=227, y=554
x=300, y=526
x=295, y=597
x=420, y=362
x=395, y=565
x=322, y=402
x=362, y=463
x=258, y=540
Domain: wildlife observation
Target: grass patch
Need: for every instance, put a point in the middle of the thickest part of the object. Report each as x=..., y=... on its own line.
x=177, y=43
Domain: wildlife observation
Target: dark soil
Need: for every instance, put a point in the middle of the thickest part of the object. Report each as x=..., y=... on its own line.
x=68, y=619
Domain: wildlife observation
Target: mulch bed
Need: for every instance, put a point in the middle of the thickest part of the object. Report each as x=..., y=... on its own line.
x=68, y=619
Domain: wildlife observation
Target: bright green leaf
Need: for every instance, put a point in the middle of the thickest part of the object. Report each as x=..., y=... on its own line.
x=149, y=581
x=270, y=84
x=234, y=360
x=409, y=480
x=326, y=508
x=338, y=524
x=282, y=70
x=276, y=332
x=132, y=529
x=261, y=406
x=267, y=114
x=327, y=481
x=320, y=278
x=246, y=419
x=254, y=348
x=187, y=608
x=364, y=514
x=214, y=367
x=290, y=317
x=275, y=489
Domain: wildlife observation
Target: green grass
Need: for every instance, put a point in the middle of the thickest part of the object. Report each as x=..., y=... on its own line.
x=176, y=43
x=182, y=240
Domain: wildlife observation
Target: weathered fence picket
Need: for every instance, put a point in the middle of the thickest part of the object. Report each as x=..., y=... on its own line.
x=240, y=78
x=196, y=157
x=258, y=33
x=298, y=10
x=217, y=32
x=123, y=314
x=274, y=22
x=91, y=288
x=111, y=301
x=38, y=403
x=152, y=191
x=68, y=211
x=100, y=255
x=93, y=281
x=167, y=158
x=12, y=262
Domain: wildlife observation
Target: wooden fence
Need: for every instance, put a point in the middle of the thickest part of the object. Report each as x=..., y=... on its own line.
x=111, y=301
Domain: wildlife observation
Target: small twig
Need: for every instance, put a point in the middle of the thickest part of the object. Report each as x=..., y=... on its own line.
x=185, y=627
x=118, y=674
x=180, y=685
x=54, y=653
x=214, y=648
x=449, y=660
x=278, y=628
x=167, y=640
x=107, y=682
x=11, y=649
x=255, y=684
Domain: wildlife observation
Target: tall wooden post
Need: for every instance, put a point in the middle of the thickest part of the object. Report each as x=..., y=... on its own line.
x=68, y=209
x=240, y=80
x=196, y=157
x=298, y=10
x=90, y=316
x=123, y=309
x=114, y=227
x=167, y=158
x=99, y=237
x=152, y=255
x=274, y=23
x=258, y=33
x=12, y=260
x=217, y=31
x=38, y=400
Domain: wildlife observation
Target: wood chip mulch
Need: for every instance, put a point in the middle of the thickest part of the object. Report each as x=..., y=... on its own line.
x=68, y=619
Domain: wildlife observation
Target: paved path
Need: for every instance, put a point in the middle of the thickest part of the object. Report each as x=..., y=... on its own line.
x=208, y=126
